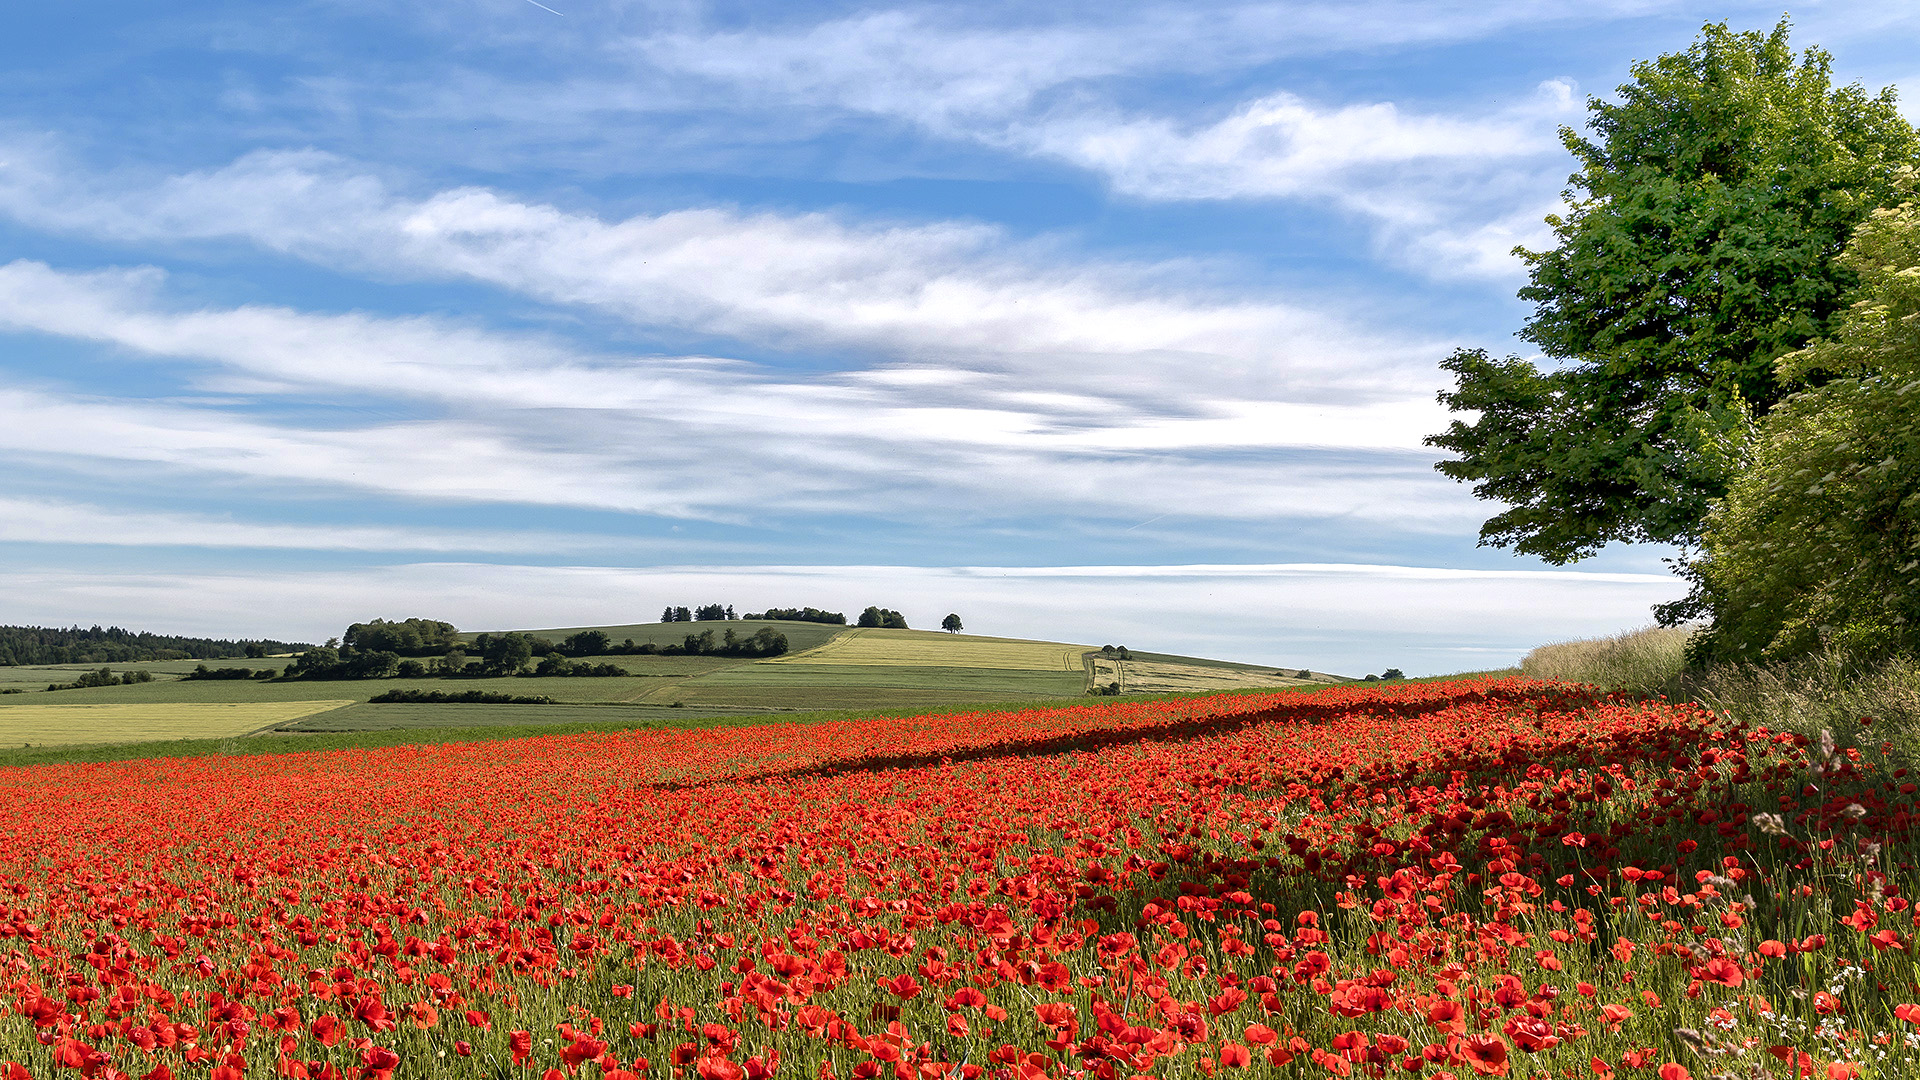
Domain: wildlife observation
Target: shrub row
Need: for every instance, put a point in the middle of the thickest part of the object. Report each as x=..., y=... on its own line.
x=463, y=697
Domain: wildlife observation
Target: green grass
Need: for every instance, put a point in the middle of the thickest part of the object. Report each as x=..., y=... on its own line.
x=637, y=720
x=36, y=678
x=160, y=669
x=851, y=686
x=1041, y=683
x=651, y=672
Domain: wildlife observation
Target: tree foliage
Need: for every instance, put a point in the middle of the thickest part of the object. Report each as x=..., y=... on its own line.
x=587, y=643
x=884, y=618
x=402, y=637
x=1700, y=245
x=504, y=654
x=106, y=677
x=1817, y=544
x=807, y=614
x=113, y=645
x=952, y=624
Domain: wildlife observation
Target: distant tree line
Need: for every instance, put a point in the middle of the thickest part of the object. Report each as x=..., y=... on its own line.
x=457, y=697
x=103, y=677
x=703, y=613
x=556, y=664
x=872, y=617
x=724, y=613
x=112, y=645
x=801, y=614
x=509, y=652
x=373, y=651
x=765, y=641
x=202, y=671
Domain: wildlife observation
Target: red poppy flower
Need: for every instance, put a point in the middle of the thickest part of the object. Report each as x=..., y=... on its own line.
x=1485, y=1054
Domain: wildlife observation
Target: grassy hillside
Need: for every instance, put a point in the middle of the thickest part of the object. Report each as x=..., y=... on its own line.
x=828, y=668
x=862, y=647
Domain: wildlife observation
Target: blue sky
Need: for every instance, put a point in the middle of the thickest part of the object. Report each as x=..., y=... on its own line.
x=1112, y=322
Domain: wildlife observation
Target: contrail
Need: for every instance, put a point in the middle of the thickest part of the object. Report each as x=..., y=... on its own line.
x=1129, y=528
x=543, y=7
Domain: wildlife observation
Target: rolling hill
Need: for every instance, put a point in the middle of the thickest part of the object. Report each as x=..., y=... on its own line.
x=827, y=668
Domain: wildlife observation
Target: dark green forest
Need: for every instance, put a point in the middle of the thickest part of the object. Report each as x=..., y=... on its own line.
x=112, y=645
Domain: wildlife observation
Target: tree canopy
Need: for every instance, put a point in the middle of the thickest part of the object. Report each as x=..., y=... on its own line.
x=587, y=643
x=802, y=614
x=1700, y=244
x=102, y=645
x=403, y=637
x=884, y=618
x=1817, y=543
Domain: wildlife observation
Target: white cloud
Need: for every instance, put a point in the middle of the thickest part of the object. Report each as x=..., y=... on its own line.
x=1428, y=182
x=983, y=376
x=1284, y=145
x=1347, y=618
x=268, y=349
x=632, y=463
x=527, y=419
x=57, y=521
x=948, y=293
x=424, y=459
x=957, y=71
x=1438, y=190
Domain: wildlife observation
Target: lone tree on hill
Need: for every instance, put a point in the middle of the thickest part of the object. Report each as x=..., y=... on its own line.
x=951, y=624
x=1702, y=243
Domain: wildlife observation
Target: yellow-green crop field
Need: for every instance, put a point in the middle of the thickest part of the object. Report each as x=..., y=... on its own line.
x=54, y=725
x=926, y=648
x=1154, y=677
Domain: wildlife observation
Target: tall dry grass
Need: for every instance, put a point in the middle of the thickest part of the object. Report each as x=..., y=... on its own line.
x=1820, y=693
x=1648, y=661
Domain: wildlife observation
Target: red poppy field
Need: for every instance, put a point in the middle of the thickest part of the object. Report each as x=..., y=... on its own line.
x=1468, y=878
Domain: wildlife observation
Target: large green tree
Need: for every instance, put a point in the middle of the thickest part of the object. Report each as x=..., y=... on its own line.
x=1699, y=245
x=1817, y=544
